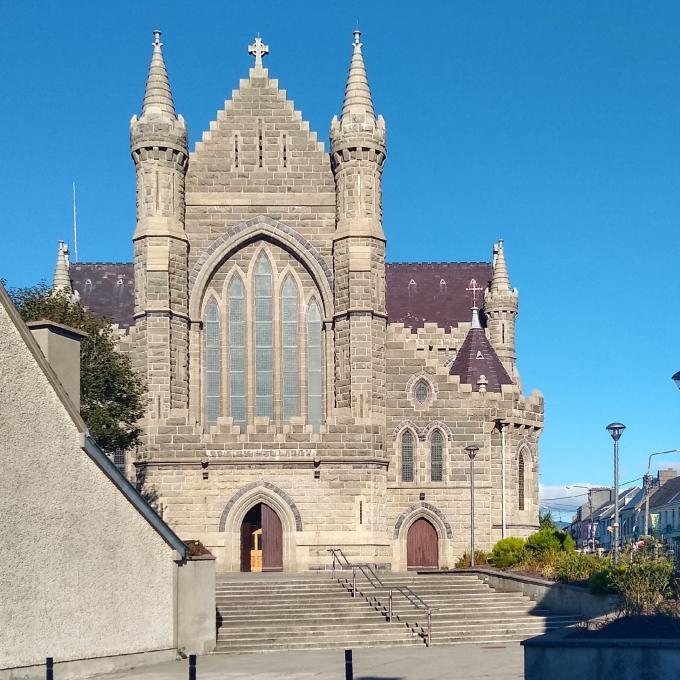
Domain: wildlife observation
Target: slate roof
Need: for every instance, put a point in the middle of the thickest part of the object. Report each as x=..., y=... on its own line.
x=106, y=289
x=437, y=293
x=476, y=357
x=667, y=493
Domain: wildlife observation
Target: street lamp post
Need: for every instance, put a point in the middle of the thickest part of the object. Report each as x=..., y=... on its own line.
x=616, y=430
x=472, y=452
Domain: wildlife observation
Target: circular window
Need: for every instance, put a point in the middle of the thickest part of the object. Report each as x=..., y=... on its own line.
x=422, y=392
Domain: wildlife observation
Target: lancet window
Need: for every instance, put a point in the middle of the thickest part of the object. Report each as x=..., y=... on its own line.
x=290, y=346
x=237, y=350
x=436, y=456
x=520, y=480
x=407, y=457
x=314, y=362
x=212, y=362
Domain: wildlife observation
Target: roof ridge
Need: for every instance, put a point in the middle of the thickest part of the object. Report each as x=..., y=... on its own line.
x=476, y=262
x=76, y=264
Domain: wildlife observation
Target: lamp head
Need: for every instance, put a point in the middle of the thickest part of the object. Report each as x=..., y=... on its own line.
x=472, y=450
x=616, y=430
x=676, y=379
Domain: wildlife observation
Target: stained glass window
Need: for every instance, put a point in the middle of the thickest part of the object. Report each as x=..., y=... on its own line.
x=212, y=363
x=237, y=350
x=314, y=364
x=264, y=341
x=290, y=346
x=407, y=457
x=436, y=458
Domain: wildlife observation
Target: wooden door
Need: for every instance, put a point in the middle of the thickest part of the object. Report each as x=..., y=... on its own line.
x=272, y=540
x=246, y=538
x=422, y=550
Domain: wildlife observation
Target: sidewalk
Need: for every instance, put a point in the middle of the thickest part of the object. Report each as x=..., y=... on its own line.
x=467, y=662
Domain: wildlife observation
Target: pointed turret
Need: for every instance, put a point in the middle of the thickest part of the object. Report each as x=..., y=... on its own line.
x=62, y=280
x=158, y=141
x=500, y=307
x=158, y=96
x=477, y=363
x=357, y=156
x=357, y=92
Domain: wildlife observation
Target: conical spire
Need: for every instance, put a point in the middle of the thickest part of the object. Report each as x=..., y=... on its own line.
x=501, y=279
x=357, y=92
x=158, y=96
x=62, y=280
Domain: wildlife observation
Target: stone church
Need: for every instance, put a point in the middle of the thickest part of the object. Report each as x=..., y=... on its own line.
x=303, y=393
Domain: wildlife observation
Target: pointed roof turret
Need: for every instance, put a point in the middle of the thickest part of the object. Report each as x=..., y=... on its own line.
x=500, y=280
x=357, y=92
x=158, y=96
x=62, y=280
x=477, y=363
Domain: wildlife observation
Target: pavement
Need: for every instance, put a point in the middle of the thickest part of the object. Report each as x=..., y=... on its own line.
x=467, y=662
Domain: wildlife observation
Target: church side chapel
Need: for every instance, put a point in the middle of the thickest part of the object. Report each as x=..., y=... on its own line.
x=303, y=393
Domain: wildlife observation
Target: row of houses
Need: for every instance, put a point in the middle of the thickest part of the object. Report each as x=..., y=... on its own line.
x=593, y=525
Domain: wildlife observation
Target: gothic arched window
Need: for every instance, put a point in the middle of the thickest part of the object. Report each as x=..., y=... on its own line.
x=407, y=457
x=436, y=456
x=264, y=339
x=213, y=373
x=520, y=480
x=237, y=350
x=290, y=346
x=314, y=365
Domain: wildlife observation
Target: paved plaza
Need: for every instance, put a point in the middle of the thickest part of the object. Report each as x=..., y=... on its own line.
x=468, y=662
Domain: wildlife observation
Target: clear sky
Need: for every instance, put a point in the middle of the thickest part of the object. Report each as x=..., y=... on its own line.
x=554, y=125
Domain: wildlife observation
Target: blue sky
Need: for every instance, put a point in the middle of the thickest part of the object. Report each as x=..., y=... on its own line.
x=552, y=125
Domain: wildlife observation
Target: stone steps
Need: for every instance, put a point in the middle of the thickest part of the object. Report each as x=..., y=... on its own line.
x=316, y=612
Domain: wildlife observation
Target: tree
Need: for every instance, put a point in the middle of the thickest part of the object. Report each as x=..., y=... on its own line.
x=545, y=520
x=112, y=394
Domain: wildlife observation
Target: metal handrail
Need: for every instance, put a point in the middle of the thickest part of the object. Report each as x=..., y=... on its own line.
x=340, y=559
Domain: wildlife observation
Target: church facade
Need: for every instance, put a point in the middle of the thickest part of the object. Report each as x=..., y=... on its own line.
x=303, y=394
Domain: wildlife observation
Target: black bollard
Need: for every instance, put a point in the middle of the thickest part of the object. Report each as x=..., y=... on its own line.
x=349, y=667
x=49, y=668
x=192, y=667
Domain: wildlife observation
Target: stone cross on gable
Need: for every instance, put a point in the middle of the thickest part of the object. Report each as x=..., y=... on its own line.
x=258, y=49
x=474, y=288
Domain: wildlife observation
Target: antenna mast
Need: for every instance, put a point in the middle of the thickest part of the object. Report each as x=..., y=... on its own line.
x=75, y=225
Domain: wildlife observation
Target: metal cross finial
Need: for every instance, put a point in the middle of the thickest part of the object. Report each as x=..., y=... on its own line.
x=474, y=288
x=258, y=49
x=357, y=36
x=157, y=38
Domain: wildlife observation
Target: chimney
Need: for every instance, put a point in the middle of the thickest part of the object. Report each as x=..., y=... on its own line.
x=665, y=475
x=61, y=346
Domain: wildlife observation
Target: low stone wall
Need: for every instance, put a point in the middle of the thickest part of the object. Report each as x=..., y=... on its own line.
x=559, y=598
x=560, y=656
x=196, y=628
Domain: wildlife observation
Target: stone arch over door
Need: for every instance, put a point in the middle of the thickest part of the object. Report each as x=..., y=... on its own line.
x=241, y=503
x=435, y=517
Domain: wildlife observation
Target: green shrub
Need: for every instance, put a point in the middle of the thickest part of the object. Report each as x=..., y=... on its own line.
x=601, y=581
x=643, y=584
x=508, y=552
x=481, y=558
x=572, y=566
x=547, y=540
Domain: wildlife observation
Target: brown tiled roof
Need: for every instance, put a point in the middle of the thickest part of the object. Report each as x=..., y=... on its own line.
x=106, y=289
x=437, y=293
x=476, y=357
x=666, y=493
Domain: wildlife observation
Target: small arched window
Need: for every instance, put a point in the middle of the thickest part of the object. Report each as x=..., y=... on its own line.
x=237, y=350
x=314, y=364
x=407, y=457
x=264, y=341
x=422, y=392
x=290, y=345
x=212, y=363
x=436, y=456
x=520, y=480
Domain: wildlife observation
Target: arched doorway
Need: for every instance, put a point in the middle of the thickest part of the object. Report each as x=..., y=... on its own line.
x=261, y=540
x=422, y=545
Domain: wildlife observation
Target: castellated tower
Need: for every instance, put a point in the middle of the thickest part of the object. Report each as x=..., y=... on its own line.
x=158, y=141
x=357, y=158
x=500, y=306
